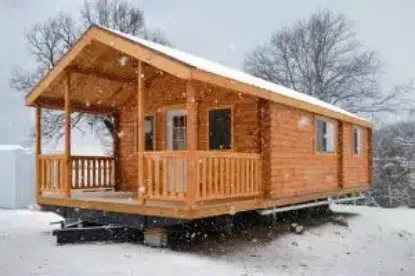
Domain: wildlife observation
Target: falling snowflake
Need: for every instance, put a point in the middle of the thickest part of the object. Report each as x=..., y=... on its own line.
x=123, y=60
x=232, y=210
x=142, y=190
x=304, y=122
x=120, y=134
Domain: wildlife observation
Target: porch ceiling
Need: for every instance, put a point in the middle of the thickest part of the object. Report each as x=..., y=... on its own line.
x=101, y=78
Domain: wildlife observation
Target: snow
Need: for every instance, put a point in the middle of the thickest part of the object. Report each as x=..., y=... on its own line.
x=11, y=147
x=233, y=74
x=378, y=242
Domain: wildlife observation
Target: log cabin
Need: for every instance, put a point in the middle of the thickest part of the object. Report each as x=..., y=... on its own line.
x=192, y=138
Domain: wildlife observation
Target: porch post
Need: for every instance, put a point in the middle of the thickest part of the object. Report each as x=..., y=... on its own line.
x=38, y=148
x=141, y=143
x=68, y=163
x=116, y=151
x=191, y=143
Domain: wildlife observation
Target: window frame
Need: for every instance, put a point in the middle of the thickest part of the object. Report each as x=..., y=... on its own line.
x=154, y=131
x=148, y=114
x=335, y=134
x=219, y=107
x=359, y=146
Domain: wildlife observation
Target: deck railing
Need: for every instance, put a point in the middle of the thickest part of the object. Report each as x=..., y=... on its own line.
x=88, y=172
x=51, y=173
x=219, y=175
x=91, y=172
x=165, y=175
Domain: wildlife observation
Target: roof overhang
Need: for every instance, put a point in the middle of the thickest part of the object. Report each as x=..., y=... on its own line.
x=176, y=68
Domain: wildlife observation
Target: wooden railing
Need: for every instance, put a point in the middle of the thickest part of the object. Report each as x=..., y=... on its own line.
x=165, y=175
x=223, y=175
x=91, y=172
x=219, y=175
x=88, y=172
x=51, y=173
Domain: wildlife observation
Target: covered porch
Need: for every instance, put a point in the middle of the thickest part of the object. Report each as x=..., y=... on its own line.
x=168, y=178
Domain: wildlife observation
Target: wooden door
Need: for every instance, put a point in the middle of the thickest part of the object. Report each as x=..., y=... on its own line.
x=176, y=133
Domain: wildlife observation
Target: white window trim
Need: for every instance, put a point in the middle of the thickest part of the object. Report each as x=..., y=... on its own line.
x=327, y=120
x=359, y=139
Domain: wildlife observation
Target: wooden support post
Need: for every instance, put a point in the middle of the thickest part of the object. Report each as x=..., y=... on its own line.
x=68, y=163
x=191, y=143
x=265, y=146
x=38, y=149
x=141, y=142
x=340, y=155
x=116, y=152
x=370, y=155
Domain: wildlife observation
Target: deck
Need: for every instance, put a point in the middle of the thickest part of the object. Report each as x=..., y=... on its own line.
x=222, y=180
x=226, y=183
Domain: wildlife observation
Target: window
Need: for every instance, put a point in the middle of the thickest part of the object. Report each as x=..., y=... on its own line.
x=356, y=140
x=149, y=132
x=179, y=132
x=325, y=135
x=220, y=129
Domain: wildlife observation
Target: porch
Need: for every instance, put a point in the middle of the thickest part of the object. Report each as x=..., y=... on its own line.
x=218, y=176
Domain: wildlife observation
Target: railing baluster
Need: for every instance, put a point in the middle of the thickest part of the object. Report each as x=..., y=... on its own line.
x=251, y=167
x=149, y=177
x=173, y=179
x=210, y=175
x=221, y=177
x=216, y=172
x=94, y=184
x=204, y=177
x=165, y=187
x=99, y=175
x=179, y=167
x=227, y=176
x=104, y=172
x=232, y=182
x=157, y=178
x=238, y=176
x=110, y=178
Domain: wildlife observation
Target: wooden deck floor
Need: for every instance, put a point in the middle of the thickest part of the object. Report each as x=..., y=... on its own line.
x=111, y=196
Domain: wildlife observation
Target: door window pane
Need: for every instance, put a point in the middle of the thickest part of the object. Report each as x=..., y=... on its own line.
x=149, y=133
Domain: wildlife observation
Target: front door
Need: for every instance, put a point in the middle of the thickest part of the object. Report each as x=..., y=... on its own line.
x=176, y=121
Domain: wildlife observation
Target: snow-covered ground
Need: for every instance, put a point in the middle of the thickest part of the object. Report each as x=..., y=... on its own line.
x=377, y=242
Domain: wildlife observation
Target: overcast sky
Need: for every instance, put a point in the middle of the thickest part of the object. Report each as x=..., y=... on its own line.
x=219, y=30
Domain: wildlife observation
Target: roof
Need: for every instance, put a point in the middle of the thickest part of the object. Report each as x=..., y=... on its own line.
x=221, y=70
x=215, y=73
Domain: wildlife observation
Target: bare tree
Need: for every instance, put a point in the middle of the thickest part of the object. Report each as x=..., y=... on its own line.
x=48, y=41
x=393, y=165
x=322, y=57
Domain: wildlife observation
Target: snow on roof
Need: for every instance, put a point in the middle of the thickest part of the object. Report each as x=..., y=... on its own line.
x=221, y=70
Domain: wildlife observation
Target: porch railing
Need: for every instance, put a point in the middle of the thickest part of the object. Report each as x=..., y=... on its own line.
x=88, y=172
x=91, y=172
x=51, y=173
x=165, y=175
x=219, y=175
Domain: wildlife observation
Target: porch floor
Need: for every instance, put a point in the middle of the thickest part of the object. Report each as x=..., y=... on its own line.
x=112, y=196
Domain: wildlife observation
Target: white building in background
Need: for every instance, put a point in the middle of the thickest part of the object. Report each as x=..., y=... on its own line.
x=17, y=172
